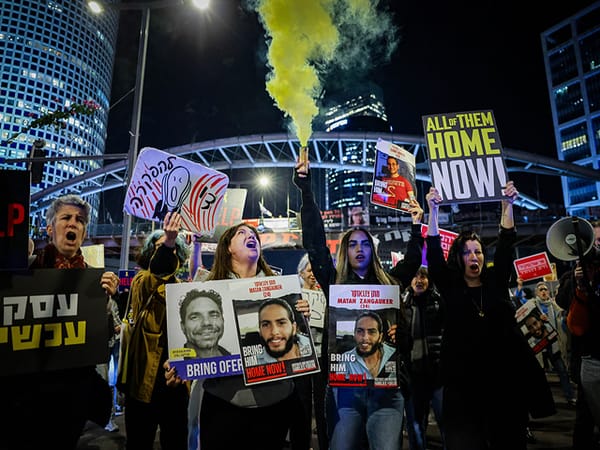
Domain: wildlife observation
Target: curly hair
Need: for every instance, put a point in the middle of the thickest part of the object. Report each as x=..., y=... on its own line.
x=147, y=250
x=193, y=295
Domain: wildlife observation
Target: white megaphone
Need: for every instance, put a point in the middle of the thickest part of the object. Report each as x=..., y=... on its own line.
x=570, y=238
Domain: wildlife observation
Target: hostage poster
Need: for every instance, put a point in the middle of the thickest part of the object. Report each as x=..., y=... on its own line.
x=394, y=177
x=274, y=338
x=362, y=325
x=465, y=156
x=201, y=330
x=539, y=332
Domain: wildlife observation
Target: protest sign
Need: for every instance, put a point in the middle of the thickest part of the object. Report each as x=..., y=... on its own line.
x=162, y=182
x=361, y=319
x=274, y=338
x=393, y=176
x=203, y=343
x=52, y=319
x=465, y=156
x=14, y=218
x=533, y=266
x=539, y=333
x=211, y=324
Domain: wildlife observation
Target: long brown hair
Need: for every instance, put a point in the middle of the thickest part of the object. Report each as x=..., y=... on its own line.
x=222, y=266
x=343, y=268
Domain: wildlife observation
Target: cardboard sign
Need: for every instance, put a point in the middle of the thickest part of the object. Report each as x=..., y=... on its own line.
x=125, y=277
x=163, y=182
x=14, y=219
x=465, y=156
x=52, y=319
x=534, y=266
x=232, y=335
x=446, y=237
x=274, y=337
x=347, y=305
x=540, y=333
x=393, y=177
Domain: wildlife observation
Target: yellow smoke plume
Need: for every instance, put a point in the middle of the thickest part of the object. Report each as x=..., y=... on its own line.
x=302, y=35
x=307, y=36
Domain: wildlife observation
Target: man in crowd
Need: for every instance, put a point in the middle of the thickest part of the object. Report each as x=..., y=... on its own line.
x=279, y=332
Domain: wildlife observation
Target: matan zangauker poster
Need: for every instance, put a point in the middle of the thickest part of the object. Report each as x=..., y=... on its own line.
x=274, y=337
x=362, y=324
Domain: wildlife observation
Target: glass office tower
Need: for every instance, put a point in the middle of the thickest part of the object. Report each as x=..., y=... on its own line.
x=572, y=59
x=362, y=112
x=54, y=54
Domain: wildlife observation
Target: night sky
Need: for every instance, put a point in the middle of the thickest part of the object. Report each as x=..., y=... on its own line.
x=205, y=76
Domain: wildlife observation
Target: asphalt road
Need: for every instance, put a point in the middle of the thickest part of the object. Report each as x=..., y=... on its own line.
x=553, y=433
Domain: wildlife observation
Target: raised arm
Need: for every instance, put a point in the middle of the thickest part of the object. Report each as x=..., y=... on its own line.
x=313, y=230
x=507, y=219
x=405, y=270
x=433, y=198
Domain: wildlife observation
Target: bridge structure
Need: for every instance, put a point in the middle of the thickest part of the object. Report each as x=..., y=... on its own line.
x=328, y=150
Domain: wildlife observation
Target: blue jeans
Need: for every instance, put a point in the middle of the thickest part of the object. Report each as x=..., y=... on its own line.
x=368, y=418
x=563, y=375
x=417, y=415
x=590, y=382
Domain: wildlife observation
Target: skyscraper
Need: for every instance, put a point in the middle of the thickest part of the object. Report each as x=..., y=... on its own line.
x=572, y=59
x=362, y=112
x=54, y=54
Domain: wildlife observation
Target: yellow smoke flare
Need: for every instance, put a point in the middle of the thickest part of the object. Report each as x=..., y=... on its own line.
x=302, y=34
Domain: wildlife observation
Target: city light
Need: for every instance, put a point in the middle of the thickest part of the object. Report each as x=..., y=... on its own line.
x=97, y=7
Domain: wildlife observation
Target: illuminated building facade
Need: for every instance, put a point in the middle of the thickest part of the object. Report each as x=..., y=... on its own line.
x=572, y=59
x=53, y=54
x=363, y=112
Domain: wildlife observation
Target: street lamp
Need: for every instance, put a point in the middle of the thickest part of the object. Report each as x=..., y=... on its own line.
x=263, y=182
x=96, y=7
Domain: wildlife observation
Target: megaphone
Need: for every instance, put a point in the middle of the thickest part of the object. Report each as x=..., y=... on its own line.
x=568, y=237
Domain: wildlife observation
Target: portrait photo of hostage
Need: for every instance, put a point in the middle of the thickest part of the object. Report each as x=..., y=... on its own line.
x=358, y=216
x=275, y=341
x=371, y=354
x=202, y=323
x=540, y=333
x=201, y=330
x=394, y=177
x=362, y=347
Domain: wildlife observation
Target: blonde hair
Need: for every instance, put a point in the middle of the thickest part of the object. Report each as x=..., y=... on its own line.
x=343, y=268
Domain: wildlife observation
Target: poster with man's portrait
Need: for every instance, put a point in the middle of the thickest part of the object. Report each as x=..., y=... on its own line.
x=274, y=337
x=394, y=177
x=539, y=332
x=201, y=330
x=362, y=335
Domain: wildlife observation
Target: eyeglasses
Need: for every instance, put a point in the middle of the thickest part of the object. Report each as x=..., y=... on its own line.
x=542, y=289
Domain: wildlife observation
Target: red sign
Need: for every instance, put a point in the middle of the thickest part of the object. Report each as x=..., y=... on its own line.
x=534, y=266
x=447, y=238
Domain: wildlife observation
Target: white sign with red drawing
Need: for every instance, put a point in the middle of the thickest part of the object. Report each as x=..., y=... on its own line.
x=534, y=266
x=163, y=183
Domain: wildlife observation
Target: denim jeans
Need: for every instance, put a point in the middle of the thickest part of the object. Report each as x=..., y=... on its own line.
x=417, y=416
x=590, y=382
x=563, y=375
x=368, y=418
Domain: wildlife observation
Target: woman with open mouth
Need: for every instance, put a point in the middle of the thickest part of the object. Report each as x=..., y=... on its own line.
x=487, y=365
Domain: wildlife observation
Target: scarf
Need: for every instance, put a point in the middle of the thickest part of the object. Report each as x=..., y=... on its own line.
x=51, y=258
